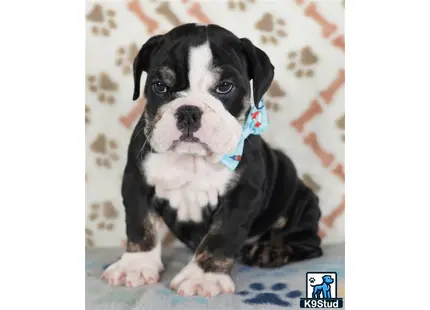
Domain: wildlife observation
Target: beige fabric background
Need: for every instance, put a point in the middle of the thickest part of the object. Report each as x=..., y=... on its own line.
x=305, y=41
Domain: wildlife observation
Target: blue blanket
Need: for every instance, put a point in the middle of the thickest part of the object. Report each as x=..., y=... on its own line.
x=255, y=288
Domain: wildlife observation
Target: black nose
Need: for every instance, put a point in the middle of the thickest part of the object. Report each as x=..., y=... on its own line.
x=188, y=118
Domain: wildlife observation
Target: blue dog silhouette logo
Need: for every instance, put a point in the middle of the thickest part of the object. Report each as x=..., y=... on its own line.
x=321, y=291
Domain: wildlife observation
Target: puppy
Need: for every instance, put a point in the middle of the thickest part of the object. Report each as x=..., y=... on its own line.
x=199, y=96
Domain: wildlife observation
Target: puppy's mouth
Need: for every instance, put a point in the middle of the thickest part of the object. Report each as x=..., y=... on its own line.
x=189, y=138
x=190, y=145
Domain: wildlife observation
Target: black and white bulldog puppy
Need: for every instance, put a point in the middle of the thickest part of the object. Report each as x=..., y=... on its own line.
x=199, y=94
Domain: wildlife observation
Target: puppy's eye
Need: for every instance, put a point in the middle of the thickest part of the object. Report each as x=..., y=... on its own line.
x=159, y=87
x=224, y=88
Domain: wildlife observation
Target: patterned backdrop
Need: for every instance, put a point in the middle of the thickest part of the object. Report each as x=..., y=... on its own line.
x=303, y=38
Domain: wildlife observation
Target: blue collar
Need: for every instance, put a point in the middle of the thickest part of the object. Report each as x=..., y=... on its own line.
x=255, y=123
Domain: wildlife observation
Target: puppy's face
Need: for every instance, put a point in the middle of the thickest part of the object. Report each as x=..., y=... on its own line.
x=198, y=88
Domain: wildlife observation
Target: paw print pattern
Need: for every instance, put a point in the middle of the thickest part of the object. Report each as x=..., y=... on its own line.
x=312, y=279
x=273, y=106
x=272, y=28
x=125, y=56
x=103, y=20
x=89, y=242
x=340, y=123
x=274, y=93
x=309, y=182
x=87, y=114
x=103, y=86
x=302, y=62
x=106, y=151
x=106, y=210
x=278, y=294
x=239, y=4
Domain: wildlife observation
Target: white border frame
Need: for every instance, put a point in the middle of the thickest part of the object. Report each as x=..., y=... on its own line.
x=43, y=154
x=387, y=154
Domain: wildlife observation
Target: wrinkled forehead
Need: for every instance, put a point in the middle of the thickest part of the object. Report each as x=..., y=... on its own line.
x=184, y=54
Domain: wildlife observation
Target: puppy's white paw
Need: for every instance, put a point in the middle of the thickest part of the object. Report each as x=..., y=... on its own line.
x=135, y=269
x=193, y=280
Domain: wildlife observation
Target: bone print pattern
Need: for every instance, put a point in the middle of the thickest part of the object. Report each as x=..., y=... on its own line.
x=306, y=43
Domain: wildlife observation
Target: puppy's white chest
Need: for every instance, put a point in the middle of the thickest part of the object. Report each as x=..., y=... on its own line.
x=189, y=183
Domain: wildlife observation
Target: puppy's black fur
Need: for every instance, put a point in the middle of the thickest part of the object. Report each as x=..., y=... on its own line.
x=268, y=217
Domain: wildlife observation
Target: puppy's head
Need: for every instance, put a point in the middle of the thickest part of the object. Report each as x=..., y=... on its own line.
x=198, y=88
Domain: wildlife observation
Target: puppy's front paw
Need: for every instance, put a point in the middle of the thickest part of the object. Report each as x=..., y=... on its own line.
x=134, y=269
x=192, y=280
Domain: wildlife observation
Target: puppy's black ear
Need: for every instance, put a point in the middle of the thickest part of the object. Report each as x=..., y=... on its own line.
x=260, y=69
x=141, y=62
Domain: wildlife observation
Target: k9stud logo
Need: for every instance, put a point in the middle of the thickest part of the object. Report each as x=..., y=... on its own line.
x=321, y=291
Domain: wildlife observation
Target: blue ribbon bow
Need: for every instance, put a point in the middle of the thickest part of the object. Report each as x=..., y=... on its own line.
x=255, y=123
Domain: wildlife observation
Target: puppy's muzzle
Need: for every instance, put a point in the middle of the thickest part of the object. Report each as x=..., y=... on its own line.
x=188, y=120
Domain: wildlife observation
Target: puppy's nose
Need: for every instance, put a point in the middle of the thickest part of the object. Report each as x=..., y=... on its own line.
x=188, y=118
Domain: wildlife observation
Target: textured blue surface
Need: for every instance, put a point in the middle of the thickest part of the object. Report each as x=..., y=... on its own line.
x=256, y=288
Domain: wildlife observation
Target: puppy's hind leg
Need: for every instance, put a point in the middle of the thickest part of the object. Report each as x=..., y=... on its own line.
x=267, y=252
x=292, y=238
x=273, y=249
